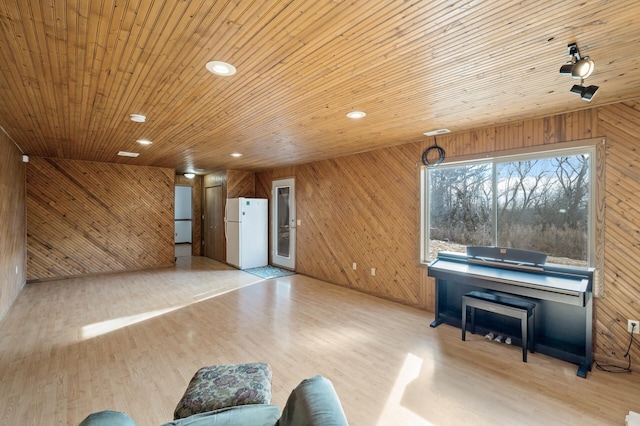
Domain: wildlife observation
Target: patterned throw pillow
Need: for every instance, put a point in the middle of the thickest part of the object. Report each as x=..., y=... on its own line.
x=225, y=385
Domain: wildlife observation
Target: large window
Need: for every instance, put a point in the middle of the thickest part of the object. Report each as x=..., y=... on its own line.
x=540, y=201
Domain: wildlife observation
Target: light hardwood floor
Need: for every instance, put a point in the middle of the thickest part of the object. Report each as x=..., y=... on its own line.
x=131, y=342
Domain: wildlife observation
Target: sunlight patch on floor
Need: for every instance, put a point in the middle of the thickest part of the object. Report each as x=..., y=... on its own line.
x=393, y=412
x=103, y=327
x=99, y=328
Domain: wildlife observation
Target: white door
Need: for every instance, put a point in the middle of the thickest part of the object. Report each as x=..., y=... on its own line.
x=283, y=249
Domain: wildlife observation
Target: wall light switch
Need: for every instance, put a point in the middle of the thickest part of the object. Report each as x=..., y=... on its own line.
x=373, y=271
x=299, y=222
x=354, y=266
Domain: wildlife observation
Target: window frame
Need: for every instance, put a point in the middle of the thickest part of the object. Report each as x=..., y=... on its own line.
x=594, y=147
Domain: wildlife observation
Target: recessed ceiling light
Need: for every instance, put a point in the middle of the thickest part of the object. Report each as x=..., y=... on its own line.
x=138, y=118
x=189, y=175
x=236, y=154
x=128, y=154
x=437, y=132
x=144, y=142
x=220, y=68
x=356, y=114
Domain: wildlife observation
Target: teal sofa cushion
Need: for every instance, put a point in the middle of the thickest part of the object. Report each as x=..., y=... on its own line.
x=314, y=402
x=244, y=415
x=108, y=418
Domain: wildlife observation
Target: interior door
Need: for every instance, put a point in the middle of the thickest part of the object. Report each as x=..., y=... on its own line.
x=283, y=248
x=214, y=224
x=183, y=214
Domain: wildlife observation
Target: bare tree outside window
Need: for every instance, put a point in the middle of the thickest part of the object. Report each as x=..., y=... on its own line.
x=539, y=204
x=460, y=207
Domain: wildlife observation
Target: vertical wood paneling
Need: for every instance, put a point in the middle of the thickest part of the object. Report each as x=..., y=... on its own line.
x=196, y=224
x=12, y=224
x=87, y=217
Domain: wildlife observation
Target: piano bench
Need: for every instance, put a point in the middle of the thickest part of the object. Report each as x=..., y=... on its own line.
x=513, y=308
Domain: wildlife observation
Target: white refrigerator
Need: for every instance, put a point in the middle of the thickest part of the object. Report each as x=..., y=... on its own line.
x=247, y=232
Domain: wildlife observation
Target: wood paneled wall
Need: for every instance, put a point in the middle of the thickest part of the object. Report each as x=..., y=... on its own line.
x=235, y=183
x=241, y=184
x=87, y=217
x=360, y=209
x=365, y=209
x=346, y=224
x=621, y=125
x=196, y=223
x=12, y=223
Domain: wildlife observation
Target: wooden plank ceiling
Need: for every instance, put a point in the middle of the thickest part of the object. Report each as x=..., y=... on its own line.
x=73, y=71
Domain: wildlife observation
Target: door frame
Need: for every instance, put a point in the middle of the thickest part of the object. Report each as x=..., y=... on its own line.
x=290, y=261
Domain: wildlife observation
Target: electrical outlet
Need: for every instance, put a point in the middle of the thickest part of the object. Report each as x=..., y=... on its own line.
x=636, y=329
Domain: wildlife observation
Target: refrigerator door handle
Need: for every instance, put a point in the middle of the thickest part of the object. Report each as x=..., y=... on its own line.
x=225, y=221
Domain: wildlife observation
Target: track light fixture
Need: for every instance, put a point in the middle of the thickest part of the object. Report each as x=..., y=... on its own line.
x=586, y=93
x=579, y=68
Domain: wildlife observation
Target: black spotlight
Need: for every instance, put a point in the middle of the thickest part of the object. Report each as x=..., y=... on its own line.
x=586, y=93
x=566, y=69
x=579, y=68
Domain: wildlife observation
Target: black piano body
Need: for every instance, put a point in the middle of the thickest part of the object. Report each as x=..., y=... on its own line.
x=562, y=294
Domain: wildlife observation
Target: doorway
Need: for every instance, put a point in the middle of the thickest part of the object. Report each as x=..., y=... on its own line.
x=283, y=248
x=214, y=244
x=183, y=220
